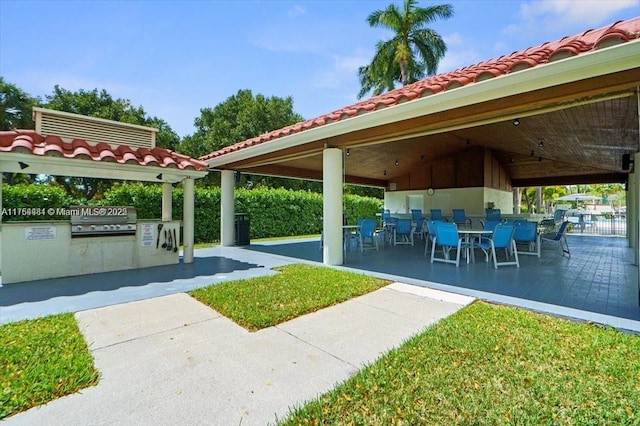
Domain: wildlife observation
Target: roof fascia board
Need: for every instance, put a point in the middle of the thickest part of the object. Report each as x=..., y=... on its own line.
x=61, y=166
x=600, y=62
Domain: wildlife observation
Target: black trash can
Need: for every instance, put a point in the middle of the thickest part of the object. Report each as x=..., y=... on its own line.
x=243, y=229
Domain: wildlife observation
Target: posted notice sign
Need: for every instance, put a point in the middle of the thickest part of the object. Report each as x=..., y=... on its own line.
x=147, y=234
x=40, y=233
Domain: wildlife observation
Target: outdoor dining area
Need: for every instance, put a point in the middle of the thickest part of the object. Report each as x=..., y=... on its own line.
x=452, y=238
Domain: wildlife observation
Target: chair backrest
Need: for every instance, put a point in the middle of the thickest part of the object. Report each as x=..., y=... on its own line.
x=416, y=215
x=436, y=214
x=494, y=214
x=368, y=227
x=403, y=226
x=558, y=215
x=526, y=231
x=431, y=227
x=446, y=234
x=386, y=215
x=561, y=230
x=459, y=216
x=503, y=234
x=490, y=225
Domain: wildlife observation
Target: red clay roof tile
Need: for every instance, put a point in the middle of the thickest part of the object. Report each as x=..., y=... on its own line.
x=28, y=141
x=622, y=31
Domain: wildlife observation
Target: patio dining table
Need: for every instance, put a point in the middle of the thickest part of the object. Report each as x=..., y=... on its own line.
x=469, y=237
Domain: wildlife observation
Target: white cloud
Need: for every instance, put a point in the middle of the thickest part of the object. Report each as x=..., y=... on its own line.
x=297, y=10
x=454, y=39
x=568, y=13
x=343, y=68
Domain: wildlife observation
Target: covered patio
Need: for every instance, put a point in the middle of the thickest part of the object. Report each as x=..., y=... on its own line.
x=599, y=279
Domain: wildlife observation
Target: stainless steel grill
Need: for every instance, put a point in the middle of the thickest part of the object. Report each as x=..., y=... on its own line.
x=103, y=221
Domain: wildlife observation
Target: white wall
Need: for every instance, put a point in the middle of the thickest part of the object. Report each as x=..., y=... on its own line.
x=63, y=256
x=473, y=200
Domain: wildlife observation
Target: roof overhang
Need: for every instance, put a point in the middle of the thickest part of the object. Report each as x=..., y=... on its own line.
x=19, y=162
x=510, y=96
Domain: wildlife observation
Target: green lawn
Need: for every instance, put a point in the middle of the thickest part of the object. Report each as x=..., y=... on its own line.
x=493, y=365
x=298, y=289
x=41, y=360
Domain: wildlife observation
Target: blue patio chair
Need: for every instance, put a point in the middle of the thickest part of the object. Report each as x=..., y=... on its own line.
x=527, y=233
x=494, y=214
x=367, y=234
x=558, y=238
x=403, y=229
x=502, y=238
x=416, y=216
x=431, y=235
x=447, y=237
x=460, y=218
x=388, y=226
x=436, y=214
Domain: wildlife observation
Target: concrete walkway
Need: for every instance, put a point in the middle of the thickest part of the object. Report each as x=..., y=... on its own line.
x=172, y=360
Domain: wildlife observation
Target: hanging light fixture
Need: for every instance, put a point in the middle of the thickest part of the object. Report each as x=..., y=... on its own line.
x=397, y=162
x=385, y=172
x=516, y=122
x=541, y=143
x=348, y=152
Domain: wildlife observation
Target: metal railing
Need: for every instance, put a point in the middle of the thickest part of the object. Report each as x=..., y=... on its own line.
x=597, y=224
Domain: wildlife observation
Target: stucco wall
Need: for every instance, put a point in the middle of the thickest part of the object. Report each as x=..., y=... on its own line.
x=25, y=258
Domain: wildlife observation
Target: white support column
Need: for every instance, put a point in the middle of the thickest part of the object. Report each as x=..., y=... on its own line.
x=167, y=202
x=332, y=253
x=187, y=220
x=631, y=209
x=227, y=212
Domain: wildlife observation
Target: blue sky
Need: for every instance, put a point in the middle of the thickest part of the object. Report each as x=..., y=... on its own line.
x=176, y=57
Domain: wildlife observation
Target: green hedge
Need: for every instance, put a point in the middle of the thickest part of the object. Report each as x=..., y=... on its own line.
x=272, y=212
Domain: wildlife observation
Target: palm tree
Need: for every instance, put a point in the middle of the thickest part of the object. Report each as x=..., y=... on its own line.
x=411, y=54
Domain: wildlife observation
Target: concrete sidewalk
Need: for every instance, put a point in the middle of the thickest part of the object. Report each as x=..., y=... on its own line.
x=172, y=360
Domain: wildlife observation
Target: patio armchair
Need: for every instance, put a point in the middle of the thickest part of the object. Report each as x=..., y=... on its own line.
x=460, y=218
x=431, y=235
x=416, y=216
x=436, y=214
x=367, y=234
x=559, y=239
x=550, y=225
x=502, y=238
x=403, y=229
x=493, y=214
x=527, y=234
x=447, y=237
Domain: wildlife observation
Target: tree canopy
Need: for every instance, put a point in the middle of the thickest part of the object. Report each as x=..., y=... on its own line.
x=15, y=107
x=411, y=54
x=238, y=118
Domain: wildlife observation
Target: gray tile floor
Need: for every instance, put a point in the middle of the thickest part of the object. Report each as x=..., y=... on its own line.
x=600, y=276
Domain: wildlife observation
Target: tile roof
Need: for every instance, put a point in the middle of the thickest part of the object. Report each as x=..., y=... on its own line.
x=28, y=141
x=621, y=31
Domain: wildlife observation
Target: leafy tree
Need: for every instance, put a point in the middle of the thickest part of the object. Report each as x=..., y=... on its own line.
x=414, y=51
x=15, y=113
x=240, y=117
x=15, y=107
x=101, y=104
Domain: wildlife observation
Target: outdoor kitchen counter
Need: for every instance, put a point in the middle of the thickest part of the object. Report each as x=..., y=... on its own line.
x=45, y=249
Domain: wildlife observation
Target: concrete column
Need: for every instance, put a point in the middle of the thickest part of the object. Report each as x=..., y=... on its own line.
x=0, y=203
x=167, y=202
x=187, y=220
x=631, y=209
x=227, y=212
x=332, y=253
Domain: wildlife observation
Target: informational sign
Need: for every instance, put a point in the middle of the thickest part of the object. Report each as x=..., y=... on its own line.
x=40, y=233
x=147, y=234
